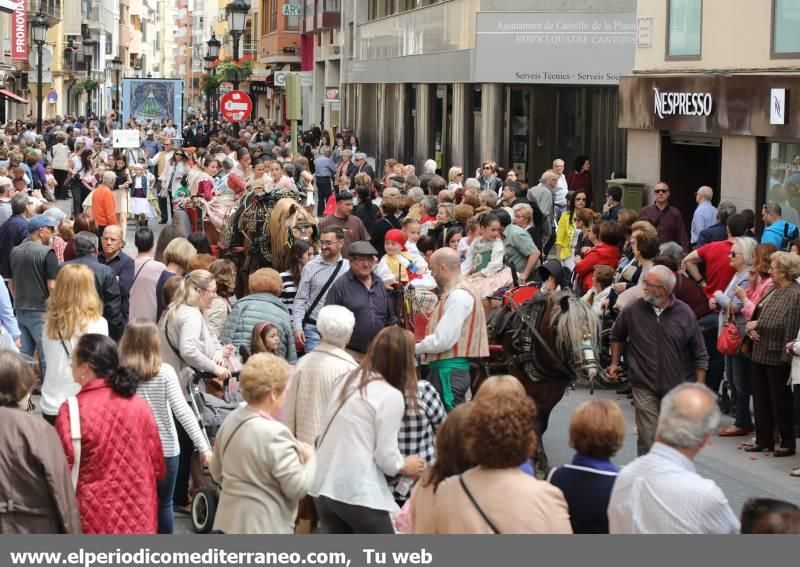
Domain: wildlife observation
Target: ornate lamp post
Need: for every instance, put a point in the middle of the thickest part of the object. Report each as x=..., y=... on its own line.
x=88, y=52
x=213, y=45
x=237, y=21
x=208, y=65
x=116, y=65
x=39, y=27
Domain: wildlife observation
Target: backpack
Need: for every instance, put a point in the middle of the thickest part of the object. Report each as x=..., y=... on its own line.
x=788, y=237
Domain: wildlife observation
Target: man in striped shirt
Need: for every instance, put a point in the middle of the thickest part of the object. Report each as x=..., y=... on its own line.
x=315, y=281
x=661, y=492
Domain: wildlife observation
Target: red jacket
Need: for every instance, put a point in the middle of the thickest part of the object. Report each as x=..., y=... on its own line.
x=601, y=255
x=121, y=461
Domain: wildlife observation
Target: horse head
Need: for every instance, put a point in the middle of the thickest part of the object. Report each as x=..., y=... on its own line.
x=577, y=333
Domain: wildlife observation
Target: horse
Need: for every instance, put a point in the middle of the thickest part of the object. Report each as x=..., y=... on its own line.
x=548, y=343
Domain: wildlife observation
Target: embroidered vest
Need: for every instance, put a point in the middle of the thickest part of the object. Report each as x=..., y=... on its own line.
x=473, y=342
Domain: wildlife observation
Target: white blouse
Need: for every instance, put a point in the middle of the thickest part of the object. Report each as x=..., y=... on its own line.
x=361, y=444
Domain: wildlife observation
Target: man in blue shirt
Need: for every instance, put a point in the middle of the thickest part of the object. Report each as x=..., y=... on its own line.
x=705, y=214
x=150, y=145
x=15, y=229
x=325, y=171
x=777, y=231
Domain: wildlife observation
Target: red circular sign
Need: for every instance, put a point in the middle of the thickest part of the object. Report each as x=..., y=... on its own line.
x=236, y=106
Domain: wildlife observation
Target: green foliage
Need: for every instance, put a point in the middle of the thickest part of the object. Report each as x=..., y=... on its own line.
x=86, y=84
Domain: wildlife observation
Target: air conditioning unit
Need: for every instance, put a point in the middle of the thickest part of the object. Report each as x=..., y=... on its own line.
x=336, y=49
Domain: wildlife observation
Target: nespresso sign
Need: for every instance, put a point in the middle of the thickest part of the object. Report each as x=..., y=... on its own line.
x=682, y=104
x=739, y=105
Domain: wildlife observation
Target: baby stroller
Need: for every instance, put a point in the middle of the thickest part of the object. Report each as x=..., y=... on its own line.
x=210, y=412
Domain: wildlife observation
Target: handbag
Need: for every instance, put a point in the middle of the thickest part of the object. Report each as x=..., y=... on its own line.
x=729, y=341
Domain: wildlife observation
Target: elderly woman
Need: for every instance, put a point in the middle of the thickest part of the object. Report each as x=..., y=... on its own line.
x=264, y=471
x=774, y=324
x=496, y=496
x=523, y=217
x=737, y=367
x=37, y=479
x=316, y=373
x=262, y=305
x=596, y=432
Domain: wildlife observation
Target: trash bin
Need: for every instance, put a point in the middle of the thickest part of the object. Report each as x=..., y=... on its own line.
x=632, y=192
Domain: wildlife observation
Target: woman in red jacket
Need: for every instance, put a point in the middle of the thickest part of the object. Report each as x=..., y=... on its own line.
x=121, y=459
x=606, y=253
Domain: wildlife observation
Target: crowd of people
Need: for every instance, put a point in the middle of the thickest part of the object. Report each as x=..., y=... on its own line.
x=281, y=283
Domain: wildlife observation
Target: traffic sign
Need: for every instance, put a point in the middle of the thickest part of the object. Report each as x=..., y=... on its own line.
x=236, y=106
x=52, y=97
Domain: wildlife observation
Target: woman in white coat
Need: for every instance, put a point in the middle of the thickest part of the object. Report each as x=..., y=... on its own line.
x=264, y=471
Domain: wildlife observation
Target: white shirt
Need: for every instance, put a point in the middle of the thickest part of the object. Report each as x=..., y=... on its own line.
x=457, y=308
x=560, y=192
x=58, y=382
x=361, y=446
x=661, y=493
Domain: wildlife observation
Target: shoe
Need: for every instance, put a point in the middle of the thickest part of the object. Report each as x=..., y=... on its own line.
x=734, y=431
x=795, y=472
x=783, y=452
x=183, y=509
x=757, y=449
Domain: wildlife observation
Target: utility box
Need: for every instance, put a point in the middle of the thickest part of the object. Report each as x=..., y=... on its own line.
x=632, y=192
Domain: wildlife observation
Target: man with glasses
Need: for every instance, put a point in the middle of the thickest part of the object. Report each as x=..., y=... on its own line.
x=317, y=278
x=666, y=218
x=360, y=159
x=661, y=339
x=122, y=264
x=162, y=160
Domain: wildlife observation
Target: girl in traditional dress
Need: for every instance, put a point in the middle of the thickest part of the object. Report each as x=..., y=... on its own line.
x=139, y=187
x=483, y=266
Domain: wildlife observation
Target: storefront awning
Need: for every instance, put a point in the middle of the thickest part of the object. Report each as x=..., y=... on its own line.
x=12, y=97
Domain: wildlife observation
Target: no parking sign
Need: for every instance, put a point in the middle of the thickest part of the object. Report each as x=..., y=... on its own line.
x=236, y=106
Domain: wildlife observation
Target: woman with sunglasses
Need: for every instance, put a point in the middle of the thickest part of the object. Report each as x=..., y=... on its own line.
x=729, y=305
x=566, y=233
x=487, y=177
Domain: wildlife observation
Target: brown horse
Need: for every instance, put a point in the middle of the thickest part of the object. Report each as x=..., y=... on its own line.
x=547, y=364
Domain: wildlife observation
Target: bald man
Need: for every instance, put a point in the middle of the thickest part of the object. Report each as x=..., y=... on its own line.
x=661, y=492
x=458, y=330
x=112, y=256
x=705, y=215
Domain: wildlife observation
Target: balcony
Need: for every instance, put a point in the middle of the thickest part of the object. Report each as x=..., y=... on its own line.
x=100, y=17
x=328, y=15
x=50, y=8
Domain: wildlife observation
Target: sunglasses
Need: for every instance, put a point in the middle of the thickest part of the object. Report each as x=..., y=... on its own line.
x=661, y=191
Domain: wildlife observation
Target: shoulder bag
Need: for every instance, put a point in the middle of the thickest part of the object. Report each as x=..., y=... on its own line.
x=477, y=506
x=746, y=348
x=321, y=293
x=75, y=434
x=729, y=340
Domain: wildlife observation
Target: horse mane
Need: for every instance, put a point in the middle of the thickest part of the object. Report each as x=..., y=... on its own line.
x=281, y=222
x=572, y=324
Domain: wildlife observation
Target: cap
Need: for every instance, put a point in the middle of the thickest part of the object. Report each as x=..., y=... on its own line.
x=41, y=221
x=150, y=132
x=56, y=214
x=551, y=268
x=362, y=248
x=395, y=235
x=345, y=196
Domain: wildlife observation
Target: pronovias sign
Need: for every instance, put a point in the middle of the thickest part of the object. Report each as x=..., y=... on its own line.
x=681, y=104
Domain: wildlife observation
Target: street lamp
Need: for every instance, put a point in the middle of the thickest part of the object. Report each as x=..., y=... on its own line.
x=39, y=27
x=236, y=13
x=88, y=52
x=213, y=45
x=116, y=65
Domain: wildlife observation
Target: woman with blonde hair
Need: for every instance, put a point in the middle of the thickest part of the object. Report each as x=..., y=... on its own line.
x=224, y=272
x=177, y=256
x=73, y=309
x=264, y=471
x=140, y=350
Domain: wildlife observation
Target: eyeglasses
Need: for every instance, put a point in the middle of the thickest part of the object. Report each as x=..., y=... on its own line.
x=459, y=173
x=661, y=191
x=328, y=242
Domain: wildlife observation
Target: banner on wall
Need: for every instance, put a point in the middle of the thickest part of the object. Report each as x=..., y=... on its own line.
x=153, y=100
x=19, y=33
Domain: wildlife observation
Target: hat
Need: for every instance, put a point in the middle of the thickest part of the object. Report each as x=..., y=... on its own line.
x=41, y=221
x=362, y=248
x=551, y=268
x=56, y=214
x=345, y=196
x=395, y=235
x=150, y=132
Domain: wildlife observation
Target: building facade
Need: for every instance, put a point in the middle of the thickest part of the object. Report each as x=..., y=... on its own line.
x=710, y=101
x=463, y=81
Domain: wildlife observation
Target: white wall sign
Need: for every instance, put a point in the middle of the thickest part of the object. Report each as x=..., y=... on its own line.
x=681, y=104
x=592, y=48
x=644, y=32
x=125, y=138
x=777, y=106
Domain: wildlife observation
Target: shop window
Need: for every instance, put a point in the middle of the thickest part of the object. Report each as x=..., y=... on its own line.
x=783, y=179
x=684, y=29
x=785, y=20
